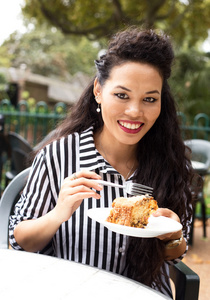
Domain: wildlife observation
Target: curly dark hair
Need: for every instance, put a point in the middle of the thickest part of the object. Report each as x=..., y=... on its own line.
x=163, y=163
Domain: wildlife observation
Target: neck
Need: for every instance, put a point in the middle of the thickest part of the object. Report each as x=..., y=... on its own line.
x=121, y=157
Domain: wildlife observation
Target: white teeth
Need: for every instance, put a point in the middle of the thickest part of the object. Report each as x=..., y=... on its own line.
x=129, y=125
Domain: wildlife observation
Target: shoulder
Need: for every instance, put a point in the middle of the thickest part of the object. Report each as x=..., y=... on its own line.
x=59, y=144
x=67, y=145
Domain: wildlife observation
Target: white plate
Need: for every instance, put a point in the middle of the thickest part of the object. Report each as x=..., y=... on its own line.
x=156, y=226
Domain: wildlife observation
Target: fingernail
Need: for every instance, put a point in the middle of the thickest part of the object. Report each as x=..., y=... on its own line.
x=100, y=186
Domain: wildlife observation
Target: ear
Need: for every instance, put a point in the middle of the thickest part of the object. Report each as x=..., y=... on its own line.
x=97, y=90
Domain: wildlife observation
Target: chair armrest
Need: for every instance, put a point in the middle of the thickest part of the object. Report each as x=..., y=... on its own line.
x=186, y=282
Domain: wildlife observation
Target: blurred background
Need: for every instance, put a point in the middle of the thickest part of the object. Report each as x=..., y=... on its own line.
x=47, y=53
x=60, y=41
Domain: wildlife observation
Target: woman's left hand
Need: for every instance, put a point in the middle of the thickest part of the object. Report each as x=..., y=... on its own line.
x=165, y=212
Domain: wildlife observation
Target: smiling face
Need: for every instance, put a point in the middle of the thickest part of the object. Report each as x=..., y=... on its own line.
x=130, y=102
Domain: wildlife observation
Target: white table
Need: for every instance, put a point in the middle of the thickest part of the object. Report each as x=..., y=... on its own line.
x=30, y=276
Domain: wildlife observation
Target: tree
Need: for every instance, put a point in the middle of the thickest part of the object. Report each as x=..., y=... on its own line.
x=3, y=86
x=187, y=20
x=62, y=53
x=190, y=82
x=48, y=52
x=5, y=57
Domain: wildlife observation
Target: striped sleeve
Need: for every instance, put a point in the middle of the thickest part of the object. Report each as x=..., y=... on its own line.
x=50, y=167
x=79, y=239
x=29, y=207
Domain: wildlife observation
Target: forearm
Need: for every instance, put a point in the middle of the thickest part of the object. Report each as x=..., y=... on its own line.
x=34, y=235
x=173, y=248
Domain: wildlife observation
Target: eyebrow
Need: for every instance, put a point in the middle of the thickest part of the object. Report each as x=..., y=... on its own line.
x=124, y=88
x=149, y=92
x=153, y=92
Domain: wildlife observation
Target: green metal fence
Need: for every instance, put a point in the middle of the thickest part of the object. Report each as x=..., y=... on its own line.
x=31, y=123
x=198, y=129
x=34, y=124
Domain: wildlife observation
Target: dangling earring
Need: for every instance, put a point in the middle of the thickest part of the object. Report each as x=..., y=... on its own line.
x=98, y=108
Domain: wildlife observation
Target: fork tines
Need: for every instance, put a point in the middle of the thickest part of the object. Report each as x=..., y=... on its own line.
x=139, y=189
x=140, y=192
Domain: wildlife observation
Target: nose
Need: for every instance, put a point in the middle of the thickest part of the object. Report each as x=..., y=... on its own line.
x=134, y=109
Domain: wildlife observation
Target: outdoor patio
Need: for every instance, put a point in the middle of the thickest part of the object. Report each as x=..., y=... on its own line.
x=198, y=258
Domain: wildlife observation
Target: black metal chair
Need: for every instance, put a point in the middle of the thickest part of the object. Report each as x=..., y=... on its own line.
x=20, y=150
x=186, y=281
x=200, y=157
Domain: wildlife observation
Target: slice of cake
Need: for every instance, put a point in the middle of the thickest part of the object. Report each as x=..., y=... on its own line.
x=133, y=211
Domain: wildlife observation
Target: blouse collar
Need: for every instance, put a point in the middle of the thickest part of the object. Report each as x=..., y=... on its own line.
x=90, y=158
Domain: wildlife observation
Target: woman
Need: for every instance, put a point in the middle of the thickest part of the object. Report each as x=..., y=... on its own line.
x=124, y=128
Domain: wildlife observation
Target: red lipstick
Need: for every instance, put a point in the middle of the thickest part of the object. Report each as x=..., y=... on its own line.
x=127, y=127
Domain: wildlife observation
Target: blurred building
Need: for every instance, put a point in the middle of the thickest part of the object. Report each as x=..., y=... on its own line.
x=41, y=88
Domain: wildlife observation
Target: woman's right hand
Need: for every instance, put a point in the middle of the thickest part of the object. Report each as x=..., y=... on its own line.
x=34, y=234
x=74, y=189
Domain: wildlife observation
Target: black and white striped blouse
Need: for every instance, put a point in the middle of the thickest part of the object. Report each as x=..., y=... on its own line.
x=79, y=239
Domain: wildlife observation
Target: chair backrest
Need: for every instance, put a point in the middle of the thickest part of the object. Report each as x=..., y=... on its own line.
x=20, y=149
x=200, y=151
x=186, y=281
x=9, y=197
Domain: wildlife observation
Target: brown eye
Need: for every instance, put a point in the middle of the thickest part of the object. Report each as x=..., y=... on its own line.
x=121, y=95
x=150, y=99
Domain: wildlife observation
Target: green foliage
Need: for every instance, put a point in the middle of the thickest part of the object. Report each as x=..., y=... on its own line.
x=188, y=21
x=190, y=82
x=48, y=52
x=2, y=79
x=5, y=57
x=198, y=211
x=3, y=86
x=25, y=95
x=64, y=42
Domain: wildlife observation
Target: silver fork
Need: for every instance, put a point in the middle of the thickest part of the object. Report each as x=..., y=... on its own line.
x=130, y=187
